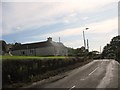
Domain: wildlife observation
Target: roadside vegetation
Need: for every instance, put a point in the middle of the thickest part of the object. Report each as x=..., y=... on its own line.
x=18, y=72
x=112, y=50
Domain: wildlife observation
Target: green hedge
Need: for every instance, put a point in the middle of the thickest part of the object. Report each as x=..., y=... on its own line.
x=15, y=71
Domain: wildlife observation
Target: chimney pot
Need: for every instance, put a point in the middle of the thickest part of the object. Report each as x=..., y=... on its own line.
x=49, y=39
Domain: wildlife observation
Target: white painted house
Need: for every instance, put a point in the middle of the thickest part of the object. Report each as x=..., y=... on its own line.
x=46, y=48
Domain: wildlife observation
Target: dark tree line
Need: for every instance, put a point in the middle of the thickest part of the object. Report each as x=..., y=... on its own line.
x=84, y=53
x=112, y=50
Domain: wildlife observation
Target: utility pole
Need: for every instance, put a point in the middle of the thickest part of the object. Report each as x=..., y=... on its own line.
x=84, y=39
x=100, y=53
x=100, y=49
x=87, y=45
x=59, y=39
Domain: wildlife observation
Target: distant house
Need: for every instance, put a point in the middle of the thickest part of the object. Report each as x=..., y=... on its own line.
x=46, y=48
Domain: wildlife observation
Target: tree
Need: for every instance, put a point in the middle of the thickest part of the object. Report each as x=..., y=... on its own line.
x=3, y=47
x=80, y=52
x=112, y=50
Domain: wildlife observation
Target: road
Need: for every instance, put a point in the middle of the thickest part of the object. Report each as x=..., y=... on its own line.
x=96, y=74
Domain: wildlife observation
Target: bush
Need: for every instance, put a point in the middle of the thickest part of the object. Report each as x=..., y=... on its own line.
x=25, y=70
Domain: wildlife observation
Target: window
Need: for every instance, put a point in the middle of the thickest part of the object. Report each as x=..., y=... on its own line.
x=23, y=53
x=31, y=51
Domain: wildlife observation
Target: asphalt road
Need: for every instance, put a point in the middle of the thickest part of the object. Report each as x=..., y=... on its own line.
x=96, y=74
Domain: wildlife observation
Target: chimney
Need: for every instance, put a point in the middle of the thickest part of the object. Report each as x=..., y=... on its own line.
x=59, y=39
x=49, y=39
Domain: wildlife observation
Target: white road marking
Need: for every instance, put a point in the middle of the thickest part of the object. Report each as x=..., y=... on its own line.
x=72, y=87
x=82, y=79
x=93, y=71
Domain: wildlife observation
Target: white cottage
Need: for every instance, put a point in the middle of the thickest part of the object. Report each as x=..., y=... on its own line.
x=46, y=48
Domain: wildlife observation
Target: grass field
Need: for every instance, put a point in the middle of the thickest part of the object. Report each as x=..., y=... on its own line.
x=32, y=57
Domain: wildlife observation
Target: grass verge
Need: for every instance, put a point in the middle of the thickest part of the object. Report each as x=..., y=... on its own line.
x=32, y=57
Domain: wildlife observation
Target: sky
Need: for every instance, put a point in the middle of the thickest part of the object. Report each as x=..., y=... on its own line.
x=34, y=21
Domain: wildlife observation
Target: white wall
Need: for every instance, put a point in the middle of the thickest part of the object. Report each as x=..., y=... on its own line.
x=44, y=51
x=35, y=52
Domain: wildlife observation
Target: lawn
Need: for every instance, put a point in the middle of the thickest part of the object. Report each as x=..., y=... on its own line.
x=32, y=57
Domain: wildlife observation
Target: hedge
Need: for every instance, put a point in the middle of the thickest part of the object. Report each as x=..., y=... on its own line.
x=15, y=71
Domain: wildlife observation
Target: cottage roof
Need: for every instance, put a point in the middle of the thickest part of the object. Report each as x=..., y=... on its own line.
x=37, y=45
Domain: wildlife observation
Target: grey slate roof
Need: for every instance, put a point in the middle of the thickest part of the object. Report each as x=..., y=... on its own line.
x=37, y=45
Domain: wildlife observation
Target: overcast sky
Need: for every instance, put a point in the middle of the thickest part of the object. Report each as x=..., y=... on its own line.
x=27, y=22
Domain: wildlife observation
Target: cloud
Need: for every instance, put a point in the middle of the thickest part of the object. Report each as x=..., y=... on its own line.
x=30, y=15
x=104, y=26
x=75, y=43
x=63, y=33
x=24, y=15
x=70, y=18
x=96, y=27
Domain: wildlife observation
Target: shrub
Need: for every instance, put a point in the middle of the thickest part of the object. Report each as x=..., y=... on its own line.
x=26, y=70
